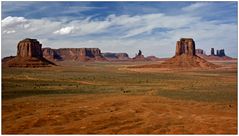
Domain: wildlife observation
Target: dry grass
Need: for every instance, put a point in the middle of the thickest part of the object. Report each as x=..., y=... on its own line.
x=106, y=98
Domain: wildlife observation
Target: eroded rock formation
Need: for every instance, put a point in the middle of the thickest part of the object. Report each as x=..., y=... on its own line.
x=221, y=53
x=116, y=56
x=139, y=57
x=185, y=46
x=185, y=57
x=29, y=54
x=73, y=54
x=152, y=58
x=212, y=51
x=200, y=52
x=29, y=48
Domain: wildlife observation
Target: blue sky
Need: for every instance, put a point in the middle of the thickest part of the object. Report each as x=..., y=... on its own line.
x=153, y=27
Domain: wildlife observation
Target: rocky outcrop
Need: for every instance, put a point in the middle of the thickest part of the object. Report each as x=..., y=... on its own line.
x=73, y=54
x=51, y=54
x=221, y=53
x=185, y=57
x=212, y=51
x=185, y=46
x=139, y=57
x=116, y=56
x=29, y=54
x=200, y=52
x=29, y=48
x=6, y=59
x=152, y=58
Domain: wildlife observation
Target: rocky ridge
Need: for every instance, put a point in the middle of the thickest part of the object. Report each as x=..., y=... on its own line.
x=73, y=54
x=116, y=56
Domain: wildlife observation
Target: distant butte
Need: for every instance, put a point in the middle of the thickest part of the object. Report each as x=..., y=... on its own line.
x=139, y=57
x=185, y=57
x=29, y=54
x=220, y=55
x=116, y=56
x=73, y=54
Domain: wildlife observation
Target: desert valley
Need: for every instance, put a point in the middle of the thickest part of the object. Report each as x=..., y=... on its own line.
x=119, y=67
x=85, y=91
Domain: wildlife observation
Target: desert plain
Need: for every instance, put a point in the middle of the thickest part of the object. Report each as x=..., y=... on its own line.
x=111, y=98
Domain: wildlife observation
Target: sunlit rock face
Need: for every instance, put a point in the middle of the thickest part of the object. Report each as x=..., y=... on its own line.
x=185, y=46
x=28, y=48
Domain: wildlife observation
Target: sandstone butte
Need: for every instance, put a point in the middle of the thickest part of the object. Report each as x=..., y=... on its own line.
x=219, y=56
x=185, y=57
x=29, y=54
x=139, y=57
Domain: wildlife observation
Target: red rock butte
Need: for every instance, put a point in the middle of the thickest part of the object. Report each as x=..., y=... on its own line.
x=185, y=57
x=29, y=48
x=29, y=54
x=185, y=46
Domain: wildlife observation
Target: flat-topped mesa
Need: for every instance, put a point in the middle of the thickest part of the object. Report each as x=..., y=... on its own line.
x=73, y=54
x=90, y=52
x=185, y=46
x=116, y=56
x=29, y=48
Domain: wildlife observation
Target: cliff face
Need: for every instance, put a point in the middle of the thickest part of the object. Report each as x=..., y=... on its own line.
x=75, y=54
x=29, y=48
x=185, y=46
x=116, y=56
x=29, y=54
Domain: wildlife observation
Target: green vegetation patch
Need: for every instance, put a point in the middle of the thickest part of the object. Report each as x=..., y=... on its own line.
x=95, y=78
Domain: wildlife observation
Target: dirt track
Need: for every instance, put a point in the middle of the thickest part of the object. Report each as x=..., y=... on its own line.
x=116, y=114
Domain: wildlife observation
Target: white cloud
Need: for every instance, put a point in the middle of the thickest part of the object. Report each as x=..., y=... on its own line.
x=65, y=30
x=13, y=21
x=195, y=6
x=9, y=31
x=128, y=25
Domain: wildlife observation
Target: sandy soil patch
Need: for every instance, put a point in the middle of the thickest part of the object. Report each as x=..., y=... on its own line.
x=115, y=114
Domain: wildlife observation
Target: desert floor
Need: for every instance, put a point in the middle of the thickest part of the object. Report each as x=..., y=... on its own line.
x=109, y=98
